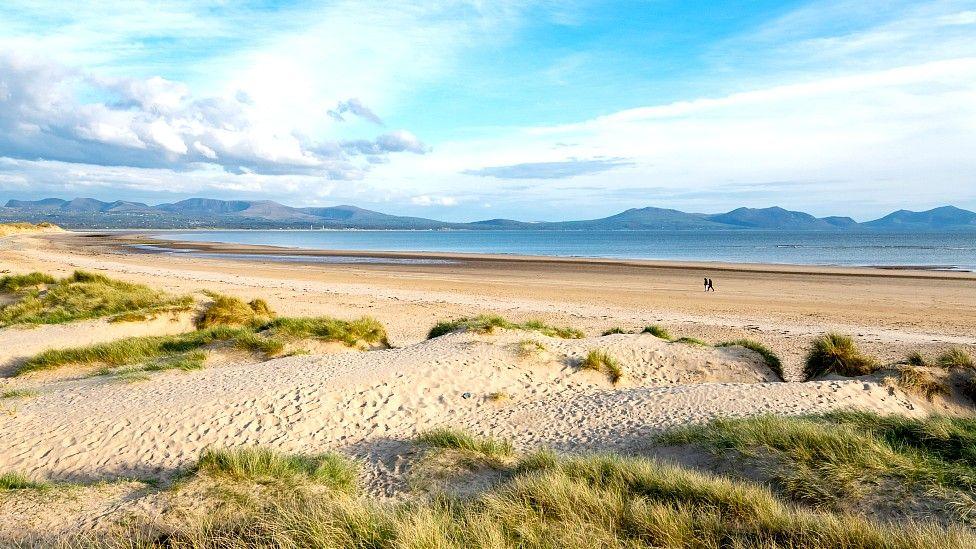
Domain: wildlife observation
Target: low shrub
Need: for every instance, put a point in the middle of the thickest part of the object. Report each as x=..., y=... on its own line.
x=837, y=354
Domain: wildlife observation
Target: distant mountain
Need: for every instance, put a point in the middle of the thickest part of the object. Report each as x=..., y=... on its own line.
x=772, y=218
x=88, y=213
x=944, y=218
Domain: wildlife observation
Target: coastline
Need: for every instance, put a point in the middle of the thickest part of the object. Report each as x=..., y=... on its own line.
x=154, y=243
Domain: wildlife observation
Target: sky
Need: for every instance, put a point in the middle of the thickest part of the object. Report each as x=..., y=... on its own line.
x=466, y=110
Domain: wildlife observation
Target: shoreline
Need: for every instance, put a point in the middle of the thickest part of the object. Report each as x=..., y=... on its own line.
x=145, y=242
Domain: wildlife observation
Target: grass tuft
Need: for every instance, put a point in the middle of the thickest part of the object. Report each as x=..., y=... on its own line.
x=601, y=361
x=364, y=330
x=453, y=439
x=265, y=466
x=16, y=283
x=498, y=396
x=956, y=358
x=486, y=324
x=691, y=341
x=529, y=347
x=657, y=332
x=226, y=310
x=15, y=481
x=614, y=330
x=82, y=296
x=768, y=356
x=919, y=382
x=916, y=358
x=834, y=353
x=17, y=393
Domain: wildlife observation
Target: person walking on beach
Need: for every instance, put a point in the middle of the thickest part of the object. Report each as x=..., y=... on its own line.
x=709, y=285
x=706, y=284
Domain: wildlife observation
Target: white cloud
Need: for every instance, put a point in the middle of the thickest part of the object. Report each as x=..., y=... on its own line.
x=425, y=200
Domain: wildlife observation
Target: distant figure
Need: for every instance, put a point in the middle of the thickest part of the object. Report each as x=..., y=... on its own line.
x=706, y=284
x=709, y=285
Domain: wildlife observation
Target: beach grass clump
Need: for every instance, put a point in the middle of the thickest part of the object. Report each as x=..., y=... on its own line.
x=547, y=501
x=529, y=347
x=487, y=324
x=601, y=361
x=498, y=396
x=691, y=341
x=657, y=331
x=16, y=481
x=12, y=394
x=916, y=358
x=15, y=283
x=225, y=310
x=85, y=295
x=614, y=330
x=835, y=353
x=767, y=354
x=137, y=350
x=840, y=457
x=363, y=330
x=266, y=466
x=453, y=439
x=956, y=357
x=916, y=381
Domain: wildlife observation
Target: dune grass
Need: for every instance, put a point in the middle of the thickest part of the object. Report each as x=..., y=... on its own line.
x=133, y=350
x=16, y=283
x=691, y=341
x=225, y=310
x=264, y=466
x=600, y=361
x=16, y=481
x=916, y=358
x=614, y=330
x=498, y=396
x=453, y=439
x=529, y=347
x=956, y=358
x=544, y=501
x=835, y=353
x=768, y=356
x=486, y=324
x=657, y=332
x=83, y=296
x=350, y=332
x=17, y=393
x=846, y=457
x=919, y=382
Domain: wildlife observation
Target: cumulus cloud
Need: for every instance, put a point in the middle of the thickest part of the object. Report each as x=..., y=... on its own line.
x=427, y=200
x=157, y=123
x=356, y=107
x=551, y=170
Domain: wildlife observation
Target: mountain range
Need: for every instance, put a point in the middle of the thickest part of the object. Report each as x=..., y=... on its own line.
x=88, y=213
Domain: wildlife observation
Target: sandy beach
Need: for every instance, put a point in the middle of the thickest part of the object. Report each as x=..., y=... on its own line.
x=369, y=404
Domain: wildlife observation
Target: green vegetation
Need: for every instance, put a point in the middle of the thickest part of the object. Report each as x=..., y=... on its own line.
x=486, y=324
x=350, y=332
x=15, y=481
x=854, y=458
x=768, y=356
x=921, y=383
x=16, y=283
x=264, y=466
x=601, y=361
x=453, y=439
x=691, y=341
x=539, y=501
x=17, y=393
x=133, y=350
x=529, y=347
x=81, y=296
x=225, y=310
x=916, y=358
x=186, y=351
x=956, y=358
x=657, y=332
x=615, y=330
x=837, y=354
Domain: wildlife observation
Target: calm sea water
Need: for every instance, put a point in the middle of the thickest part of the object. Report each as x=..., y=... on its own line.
x=941, y=250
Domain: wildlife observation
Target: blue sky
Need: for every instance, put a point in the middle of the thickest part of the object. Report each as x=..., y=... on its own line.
x=470, y=110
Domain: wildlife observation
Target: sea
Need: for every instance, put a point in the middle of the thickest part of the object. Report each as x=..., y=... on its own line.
x=943, y=251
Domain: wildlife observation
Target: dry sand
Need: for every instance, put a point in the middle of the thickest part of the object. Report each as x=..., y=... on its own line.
x=369, y=404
